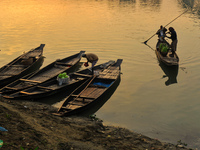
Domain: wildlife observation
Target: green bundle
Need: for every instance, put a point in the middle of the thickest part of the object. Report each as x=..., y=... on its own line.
x=63, y=75
x=163, y=48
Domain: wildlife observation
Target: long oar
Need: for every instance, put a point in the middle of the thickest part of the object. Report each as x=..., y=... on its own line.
x=84, y=88
x=145, y=42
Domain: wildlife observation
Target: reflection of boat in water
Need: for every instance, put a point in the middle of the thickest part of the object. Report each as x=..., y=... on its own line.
x=171, y=72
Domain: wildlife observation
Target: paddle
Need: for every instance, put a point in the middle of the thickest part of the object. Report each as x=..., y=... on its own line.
x=94, y=76
x=145, y=42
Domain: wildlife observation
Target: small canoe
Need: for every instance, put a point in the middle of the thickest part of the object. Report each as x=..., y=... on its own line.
x=52, y=86
x=50, y=71
x=169, y=60
x=22, y=65
x=91, y=91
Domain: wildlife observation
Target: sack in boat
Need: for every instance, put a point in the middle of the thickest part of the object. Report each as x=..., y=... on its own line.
x=27, y=62
x=164, y=49
x=63, y=78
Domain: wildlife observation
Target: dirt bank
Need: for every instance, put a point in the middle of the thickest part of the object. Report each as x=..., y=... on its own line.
x=31, y=125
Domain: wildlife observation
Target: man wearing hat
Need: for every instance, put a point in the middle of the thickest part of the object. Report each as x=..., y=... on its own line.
x=92, y=58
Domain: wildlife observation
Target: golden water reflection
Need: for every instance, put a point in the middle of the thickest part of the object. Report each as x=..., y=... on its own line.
x=115, y=29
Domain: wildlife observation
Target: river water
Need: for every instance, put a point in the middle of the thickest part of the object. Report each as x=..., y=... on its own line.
x=151, y=99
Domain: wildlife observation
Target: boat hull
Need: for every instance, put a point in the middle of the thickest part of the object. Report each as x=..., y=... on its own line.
x=91, y=92
x=39, y=59
x=168, y=59
x=52, y=87
x=47, y=73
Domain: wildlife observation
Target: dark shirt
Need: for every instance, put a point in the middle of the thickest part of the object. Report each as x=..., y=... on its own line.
x=173, y=36
x=91, y=57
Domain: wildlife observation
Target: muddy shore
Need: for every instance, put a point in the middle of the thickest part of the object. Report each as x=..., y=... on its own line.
x=31, y=126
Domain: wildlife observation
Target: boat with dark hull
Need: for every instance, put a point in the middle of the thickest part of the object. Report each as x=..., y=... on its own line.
x=168, y=59
x=52, y=86
x=92, y=91
x=49, y=72
x=22, y=65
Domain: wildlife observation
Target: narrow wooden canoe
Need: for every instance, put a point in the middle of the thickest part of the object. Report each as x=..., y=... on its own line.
x=22, y=65
x=91, y=91
x=44, y=74
x=51, y=86
x=168, y=59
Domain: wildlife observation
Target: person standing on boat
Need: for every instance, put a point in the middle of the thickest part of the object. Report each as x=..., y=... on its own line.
x=161, y=33
x=173, y=37
x=92, y=58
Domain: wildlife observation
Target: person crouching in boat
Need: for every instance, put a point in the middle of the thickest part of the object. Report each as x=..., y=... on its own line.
x=161, y=33
x=174, y=42
x=92, y=58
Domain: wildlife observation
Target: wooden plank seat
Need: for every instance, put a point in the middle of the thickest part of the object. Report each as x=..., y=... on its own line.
x=73, y=61
x=60, y=66
x=57, y=114
x=15, y=65
x=76, y=103
x=84, y=97
x=26, y=93
x=11, y=88
x=84, y=75
x=6, y=96
x=64, y=64
x=84, y=100
x=46, y=88
x=26, y=80
x=6, y=74
x=66, y=108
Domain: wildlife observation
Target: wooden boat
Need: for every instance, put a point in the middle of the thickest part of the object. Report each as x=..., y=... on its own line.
x=22, y=65
x=169, y=60
x=52, y=86
x=91, y=91
x=44, y=74
x=98, y=104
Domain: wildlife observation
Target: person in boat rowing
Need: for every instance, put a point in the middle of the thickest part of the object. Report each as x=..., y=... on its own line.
x=173, y=37
x=161, y=33
x=92, y=58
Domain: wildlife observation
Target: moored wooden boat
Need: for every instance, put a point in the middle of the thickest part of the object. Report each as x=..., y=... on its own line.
x=91, y=91
x=169, y=60
x=22, y=65
x=52, y=86
x=44, y=74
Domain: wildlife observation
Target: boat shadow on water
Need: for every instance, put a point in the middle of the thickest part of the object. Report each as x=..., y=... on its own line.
x=171, y=72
